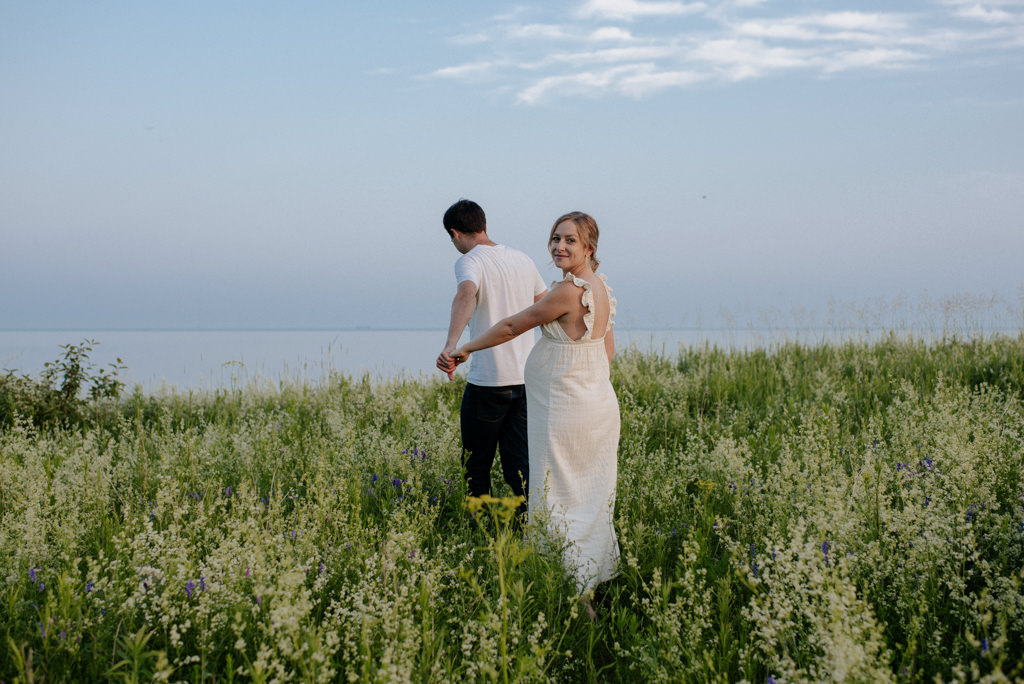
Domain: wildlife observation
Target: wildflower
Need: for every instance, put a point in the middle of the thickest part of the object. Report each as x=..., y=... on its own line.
x=984, y=645
x=227, y=492
x=321, y=568
x=88, y=587
x=202, y=584
x=42, y=587
x=189, y=588
x=32, y=575
x=771, y=680
x=247, y=572
x=373, y=478
x=259, y=599
x=824, y=550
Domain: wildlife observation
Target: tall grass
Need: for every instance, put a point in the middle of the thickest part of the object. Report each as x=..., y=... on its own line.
x=849, y=511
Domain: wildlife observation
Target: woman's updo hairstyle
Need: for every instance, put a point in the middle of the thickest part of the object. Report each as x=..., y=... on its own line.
x=586, y=226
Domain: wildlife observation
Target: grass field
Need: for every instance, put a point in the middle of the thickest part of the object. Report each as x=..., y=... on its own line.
x=848, y=512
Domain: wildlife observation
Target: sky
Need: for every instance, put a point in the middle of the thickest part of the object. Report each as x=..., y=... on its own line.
x=286, y=165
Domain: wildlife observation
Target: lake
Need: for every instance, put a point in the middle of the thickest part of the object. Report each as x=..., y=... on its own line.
x=207, y=359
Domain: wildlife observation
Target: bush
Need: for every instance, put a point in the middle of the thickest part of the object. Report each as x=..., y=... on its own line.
x=64, y=393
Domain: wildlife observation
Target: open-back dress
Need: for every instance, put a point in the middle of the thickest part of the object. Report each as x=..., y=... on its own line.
x=573, y=431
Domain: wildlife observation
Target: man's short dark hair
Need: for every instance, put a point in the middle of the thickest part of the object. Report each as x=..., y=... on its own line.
x=465, y=216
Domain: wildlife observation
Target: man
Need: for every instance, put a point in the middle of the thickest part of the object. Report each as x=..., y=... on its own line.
x=494, y=281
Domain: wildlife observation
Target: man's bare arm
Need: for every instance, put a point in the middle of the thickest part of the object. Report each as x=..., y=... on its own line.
x=463, y=306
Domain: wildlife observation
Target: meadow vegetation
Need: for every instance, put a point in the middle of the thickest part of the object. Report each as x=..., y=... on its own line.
x=801, y=512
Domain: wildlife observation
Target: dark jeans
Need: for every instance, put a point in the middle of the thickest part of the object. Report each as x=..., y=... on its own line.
x=494, y=418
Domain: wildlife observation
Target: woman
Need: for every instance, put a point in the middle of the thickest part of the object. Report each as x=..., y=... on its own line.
x=572, y=411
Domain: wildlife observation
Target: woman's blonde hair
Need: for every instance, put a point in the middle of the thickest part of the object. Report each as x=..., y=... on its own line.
x=586, y=226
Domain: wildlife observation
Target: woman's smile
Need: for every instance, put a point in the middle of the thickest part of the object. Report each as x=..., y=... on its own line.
x=567, y=250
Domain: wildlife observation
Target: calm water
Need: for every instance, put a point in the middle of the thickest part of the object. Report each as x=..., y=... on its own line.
x=206, y=359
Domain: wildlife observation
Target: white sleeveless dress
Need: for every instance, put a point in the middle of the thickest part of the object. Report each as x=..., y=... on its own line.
x=573, y=429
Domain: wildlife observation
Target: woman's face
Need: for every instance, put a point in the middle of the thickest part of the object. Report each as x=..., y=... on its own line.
x=566, y=247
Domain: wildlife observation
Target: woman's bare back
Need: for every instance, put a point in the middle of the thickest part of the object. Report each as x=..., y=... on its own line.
x=572, y=323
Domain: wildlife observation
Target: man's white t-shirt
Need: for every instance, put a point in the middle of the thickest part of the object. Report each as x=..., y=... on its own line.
x=507, y=281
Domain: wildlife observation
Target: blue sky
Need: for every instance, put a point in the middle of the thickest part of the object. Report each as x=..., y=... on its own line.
x=259, y=164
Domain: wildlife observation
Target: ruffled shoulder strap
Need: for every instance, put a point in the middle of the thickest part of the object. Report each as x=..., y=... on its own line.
x=588, y=300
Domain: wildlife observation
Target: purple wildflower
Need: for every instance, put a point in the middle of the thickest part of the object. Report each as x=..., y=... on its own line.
x=189, y=588
x=202, y=584
x=984, y=645
x=88, y=587
x=32, y=574
x=227, y=491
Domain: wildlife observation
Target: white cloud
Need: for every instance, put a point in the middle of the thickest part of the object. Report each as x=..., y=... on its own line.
x=648, y=80
x=611, y=33
x=634, y=80
x=630, y=9
x=615, y=55
x=989, y=16
x=839, y=26
x=539, y=31
x=473, y=70
x=878, y=58
x=858, y=21
x=572, y=84
x=727, y=41
x=739, y=59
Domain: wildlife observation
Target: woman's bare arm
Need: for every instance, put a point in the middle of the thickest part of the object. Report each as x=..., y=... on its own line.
x=558, y=301
x=609, y=343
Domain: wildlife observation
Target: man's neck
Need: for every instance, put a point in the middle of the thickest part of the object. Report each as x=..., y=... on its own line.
x=482, y=239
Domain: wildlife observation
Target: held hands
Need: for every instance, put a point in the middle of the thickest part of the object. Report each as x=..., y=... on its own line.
x=449, y=358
